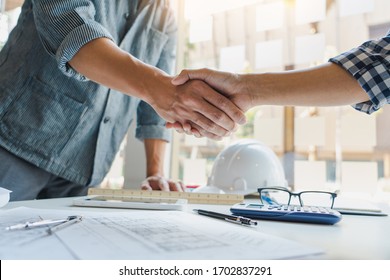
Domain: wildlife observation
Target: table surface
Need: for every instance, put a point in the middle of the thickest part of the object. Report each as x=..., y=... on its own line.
x=353, y=238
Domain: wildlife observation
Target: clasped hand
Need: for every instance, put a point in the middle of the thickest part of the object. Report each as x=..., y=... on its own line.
x=194, y=104
x=229, y=92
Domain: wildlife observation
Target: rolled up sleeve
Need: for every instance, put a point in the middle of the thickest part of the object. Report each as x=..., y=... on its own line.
x=150, y=125
x=369, y=64
x=66, y=26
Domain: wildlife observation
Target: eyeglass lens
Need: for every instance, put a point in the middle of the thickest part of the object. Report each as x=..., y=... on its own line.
x=317, y=199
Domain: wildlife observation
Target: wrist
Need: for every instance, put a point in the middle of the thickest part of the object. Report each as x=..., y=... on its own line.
x=155, y=153
x=260, y=89
x=151, y=83
x=252, y=88
x=142, y=79
x=154, y=172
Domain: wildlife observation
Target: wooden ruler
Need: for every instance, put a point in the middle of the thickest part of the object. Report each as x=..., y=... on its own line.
x=193, y=198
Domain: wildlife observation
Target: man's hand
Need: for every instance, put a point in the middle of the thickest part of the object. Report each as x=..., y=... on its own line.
x=197, y=104
x=227, y=84
x=157, y=182
x=155, y=154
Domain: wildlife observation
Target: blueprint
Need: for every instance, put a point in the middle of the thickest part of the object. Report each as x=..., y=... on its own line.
x=140, y=234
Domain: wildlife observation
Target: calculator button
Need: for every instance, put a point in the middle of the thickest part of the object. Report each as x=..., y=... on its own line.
x=323, y=210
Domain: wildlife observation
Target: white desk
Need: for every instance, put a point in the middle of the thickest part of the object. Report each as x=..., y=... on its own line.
x=354, y=238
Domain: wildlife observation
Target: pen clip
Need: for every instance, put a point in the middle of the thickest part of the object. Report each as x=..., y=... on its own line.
x=234, y=221
x=241, y=221
x=247, y=221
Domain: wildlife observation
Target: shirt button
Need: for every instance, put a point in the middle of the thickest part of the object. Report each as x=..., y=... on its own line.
x=106, y=119
x=127, y=16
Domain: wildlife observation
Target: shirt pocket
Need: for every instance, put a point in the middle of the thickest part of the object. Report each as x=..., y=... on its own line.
x=42, y=118
x=149, y=45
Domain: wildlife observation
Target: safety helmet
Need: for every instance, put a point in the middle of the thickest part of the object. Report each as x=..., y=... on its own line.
x=245, y=166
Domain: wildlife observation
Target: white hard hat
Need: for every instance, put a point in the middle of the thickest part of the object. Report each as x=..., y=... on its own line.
x=246, y=165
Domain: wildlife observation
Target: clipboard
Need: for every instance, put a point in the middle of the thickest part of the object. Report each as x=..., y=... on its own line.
x=130, y=203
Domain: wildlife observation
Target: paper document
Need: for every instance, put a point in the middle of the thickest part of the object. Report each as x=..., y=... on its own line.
x=138, y=234
x=4, y=196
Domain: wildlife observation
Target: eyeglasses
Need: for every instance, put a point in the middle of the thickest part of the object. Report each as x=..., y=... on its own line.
x=282, y=196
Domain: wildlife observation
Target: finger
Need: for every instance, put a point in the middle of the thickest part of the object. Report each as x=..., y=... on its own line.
x=186, y=75
x=187, y=127
x=206, y=124
x=169, y=125
x=200, y=132
x=163, y=184
x=196, y=132
x=189, y=130
x=184, y=127
x=173, y=186
x=183, y=188
x=180, y=128
x=214, y=79
x=146, y=188
x=155, y=183
x=227, y=107
x=208, y=109
x=218, y=109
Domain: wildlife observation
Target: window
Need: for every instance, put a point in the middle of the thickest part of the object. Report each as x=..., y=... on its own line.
x=334, y=148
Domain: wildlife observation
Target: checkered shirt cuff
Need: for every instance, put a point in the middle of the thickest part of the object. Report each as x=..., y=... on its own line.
x=369, y=64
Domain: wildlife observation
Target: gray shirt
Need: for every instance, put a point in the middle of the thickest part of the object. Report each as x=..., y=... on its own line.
x=55, y=118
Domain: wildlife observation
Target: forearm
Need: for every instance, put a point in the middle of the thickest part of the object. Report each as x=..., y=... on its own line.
x=155, y=153
x=103, y=62
x=325, y=85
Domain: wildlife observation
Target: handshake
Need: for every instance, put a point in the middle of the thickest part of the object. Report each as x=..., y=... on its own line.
x=218, y=100
x=224, y=97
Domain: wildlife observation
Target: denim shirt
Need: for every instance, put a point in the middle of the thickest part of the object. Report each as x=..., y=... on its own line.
x=54, y=117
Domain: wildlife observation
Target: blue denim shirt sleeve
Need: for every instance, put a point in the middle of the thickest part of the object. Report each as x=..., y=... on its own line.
x=369, y=64
x=149, y=123
x=65, y=27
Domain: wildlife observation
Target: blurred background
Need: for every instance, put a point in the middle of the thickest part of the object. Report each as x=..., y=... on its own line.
x=332, y=148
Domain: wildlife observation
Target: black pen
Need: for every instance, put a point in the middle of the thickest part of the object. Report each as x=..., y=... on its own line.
x=229, y=218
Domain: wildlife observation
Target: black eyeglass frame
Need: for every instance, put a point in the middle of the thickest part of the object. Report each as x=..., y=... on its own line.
x=298, y=194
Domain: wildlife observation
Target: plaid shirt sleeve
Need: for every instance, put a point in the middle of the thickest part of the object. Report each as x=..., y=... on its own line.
x=369, y=64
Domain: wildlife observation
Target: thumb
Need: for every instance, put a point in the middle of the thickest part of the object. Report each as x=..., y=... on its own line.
x=186, y=75
x=181, y=78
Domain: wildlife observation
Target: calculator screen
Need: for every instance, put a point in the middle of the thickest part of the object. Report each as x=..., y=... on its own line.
x=254, y=206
